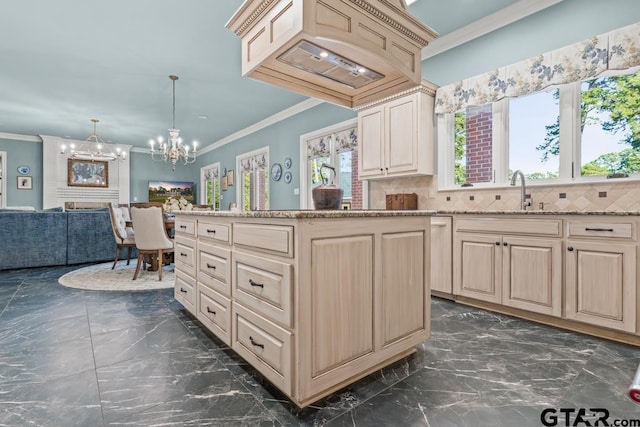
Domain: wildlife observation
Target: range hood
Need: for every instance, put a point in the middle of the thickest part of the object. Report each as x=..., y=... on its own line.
x=348, y=52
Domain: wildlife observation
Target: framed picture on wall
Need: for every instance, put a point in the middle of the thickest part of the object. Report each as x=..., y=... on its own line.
x=223, y=183
x=87, y=173
x=25, y=183
x=230, y=177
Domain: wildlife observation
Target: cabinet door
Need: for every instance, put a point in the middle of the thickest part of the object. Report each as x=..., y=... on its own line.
x=401, y=150
x=441, y=263
x=477, y=269
x=341, y=302
x=532, y=274
x=601, y=284
x=371, y=142
x=404, y=289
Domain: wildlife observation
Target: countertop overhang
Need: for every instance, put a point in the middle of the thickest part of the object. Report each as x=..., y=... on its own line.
x=302, y=214
x=535, y=212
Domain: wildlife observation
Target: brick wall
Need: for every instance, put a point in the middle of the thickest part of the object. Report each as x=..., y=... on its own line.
x=479, y=144
x=356, y=184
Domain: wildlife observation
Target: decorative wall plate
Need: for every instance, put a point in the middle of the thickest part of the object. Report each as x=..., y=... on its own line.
x=276, y=171
x=24, y=169
x=287, y=177
x=287, y=163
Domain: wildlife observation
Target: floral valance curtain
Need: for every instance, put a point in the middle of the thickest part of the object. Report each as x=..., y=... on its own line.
x=345, y=140
x=616, y=50
x=252, y=163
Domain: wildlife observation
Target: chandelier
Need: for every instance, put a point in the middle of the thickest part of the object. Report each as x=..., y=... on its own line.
x=173, y=150
x=94, y=148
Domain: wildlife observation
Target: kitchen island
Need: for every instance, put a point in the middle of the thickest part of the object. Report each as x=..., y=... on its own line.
x=314, y=300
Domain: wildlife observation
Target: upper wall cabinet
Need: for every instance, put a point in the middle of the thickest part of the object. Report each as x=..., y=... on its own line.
x=396, y=135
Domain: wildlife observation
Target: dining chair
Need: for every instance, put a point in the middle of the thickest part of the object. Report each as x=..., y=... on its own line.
x=124, y=235
x=151, y=238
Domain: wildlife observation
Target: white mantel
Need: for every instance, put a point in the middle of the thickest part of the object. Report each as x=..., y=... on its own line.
x=56, y=192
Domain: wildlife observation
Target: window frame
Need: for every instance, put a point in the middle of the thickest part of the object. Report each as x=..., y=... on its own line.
x=203, y=184
x=239, y=175
x=570, y=161
x=305, y=180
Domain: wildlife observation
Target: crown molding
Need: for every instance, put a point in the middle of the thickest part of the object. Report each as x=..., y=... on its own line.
x=278, y=117
x=489, y=23
x=19, y=137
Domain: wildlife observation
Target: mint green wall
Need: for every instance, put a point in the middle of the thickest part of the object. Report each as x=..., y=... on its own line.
x=283, y=139
x=143, y=170
x=23, y=153
x=565, y=23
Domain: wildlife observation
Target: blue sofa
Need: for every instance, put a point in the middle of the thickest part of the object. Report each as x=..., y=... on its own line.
x=54, y=237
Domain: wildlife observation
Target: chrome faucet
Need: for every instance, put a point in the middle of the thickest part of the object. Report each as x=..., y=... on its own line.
x=523, y=189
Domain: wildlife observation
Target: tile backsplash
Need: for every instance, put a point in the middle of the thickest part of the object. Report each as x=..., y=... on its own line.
x=606, y=196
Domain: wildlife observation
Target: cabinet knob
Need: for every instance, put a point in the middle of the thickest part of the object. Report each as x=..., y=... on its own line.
x=570, y=248
x=505, y=244
x=381, y=170
x=497, y=243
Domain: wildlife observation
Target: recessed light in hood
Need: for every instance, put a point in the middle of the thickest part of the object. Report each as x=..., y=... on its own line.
x=349, y=52
x=314, y=59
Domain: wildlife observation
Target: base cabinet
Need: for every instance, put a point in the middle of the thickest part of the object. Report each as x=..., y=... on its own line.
x=517, y=271
x=601, y=284
x=314, y=304
x=441, y=262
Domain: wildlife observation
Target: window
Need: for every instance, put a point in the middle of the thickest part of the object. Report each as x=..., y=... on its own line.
x=473, y=145
x=580, y=131
x=254, y=190
x=610, y=126
x=534, y=135
x=336, y=146
x=210, y=185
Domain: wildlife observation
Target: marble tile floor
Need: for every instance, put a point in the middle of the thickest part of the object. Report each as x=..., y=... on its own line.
x=70, y=357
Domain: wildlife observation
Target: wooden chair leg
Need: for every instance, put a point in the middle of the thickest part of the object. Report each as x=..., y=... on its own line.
x=135, y=275
x=128, y=254
x=117, y=255
x=160, y=264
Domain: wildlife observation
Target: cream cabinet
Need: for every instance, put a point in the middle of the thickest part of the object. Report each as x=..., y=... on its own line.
x=441, y=252
x=185, y=263
x=313, y=302
x=601, y=284
x=508, y=266
x=396, y=135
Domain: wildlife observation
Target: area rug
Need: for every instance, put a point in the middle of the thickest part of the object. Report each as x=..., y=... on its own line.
x=101, y=277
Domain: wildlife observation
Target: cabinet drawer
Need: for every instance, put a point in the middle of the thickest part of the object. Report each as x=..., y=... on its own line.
x=264, y=345
x=603, y=230
x=214, y=311
x=221, y=233
x=186, y=226
x=273, y=238
x=533, y=227
x=214, y=267
x=185, y=259
x=264, y=285
x=185, y=291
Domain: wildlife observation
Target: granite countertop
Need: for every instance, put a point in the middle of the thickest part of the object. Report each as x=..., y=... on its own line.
x=296, y=214
x=536, y=212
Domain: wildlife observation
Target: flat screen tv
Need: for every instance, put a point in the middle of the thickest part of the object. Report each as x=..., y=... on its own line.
x=160, y=191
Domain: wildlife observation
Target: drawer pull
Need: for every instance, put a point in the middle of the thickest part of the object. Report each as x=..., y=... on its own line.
x=182, y=290
x=570, y=248
x=254, y=343
x=258, y=285
x=183, y=254
x=497, y=243
x=211, y=266
x=210, y=311
x=598, y=229
x=183, y=227
x=211, y=231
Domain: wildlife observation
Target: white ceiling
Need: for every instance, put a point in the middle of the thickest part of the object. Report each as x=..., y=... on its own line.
x=65, y=62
